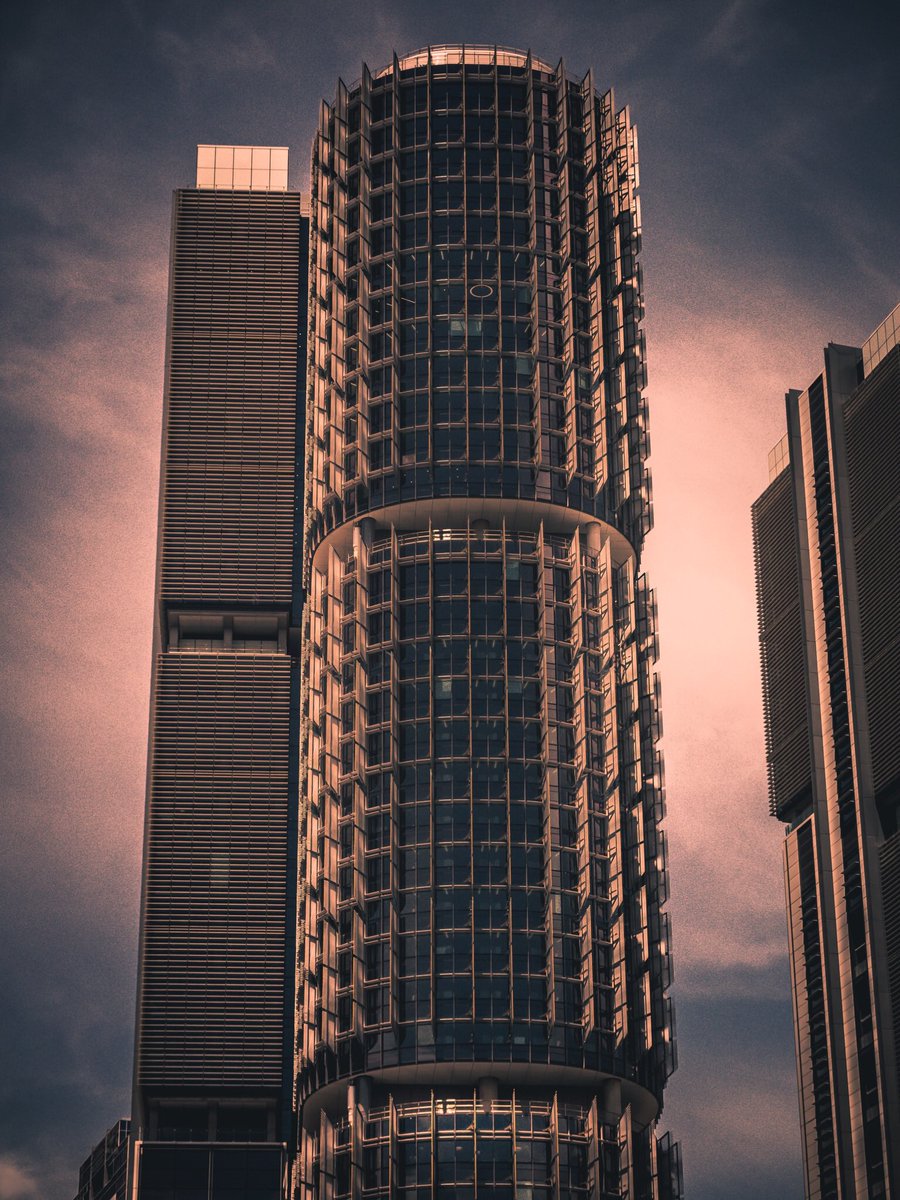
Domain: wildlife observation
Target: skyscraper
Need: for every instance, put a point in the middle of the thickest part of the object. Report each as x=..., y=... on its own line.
x=827, y=539
x=104, y=1173
x=408, y=707
x=485, y=960
x=213, y=1087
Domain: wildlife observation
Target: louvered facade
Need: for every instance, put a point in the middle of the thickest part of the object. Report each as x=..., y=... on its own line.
x=873, y=466
x=827, y=542
x=783, y=647
x=231, y=423
x=212, y=1001
x=215, y=1018
x=485, y=966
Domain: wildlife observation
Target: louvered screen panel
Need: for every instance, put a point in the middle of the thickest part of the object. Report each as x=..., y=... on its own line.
x=231, y=415
x=872, y=423
x=782, y=646
x=889, y=861
x=212, y=1007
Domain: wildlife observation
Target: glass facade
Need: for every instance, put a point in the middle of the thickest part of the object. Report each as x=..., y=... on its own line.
x=538, y=1148
x=104, y=1173
x=482, y=1001
x=477, y=297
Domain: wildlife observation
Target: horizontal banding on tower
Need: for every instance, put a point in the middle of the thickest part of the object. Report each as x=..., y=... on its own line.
x=498, y=513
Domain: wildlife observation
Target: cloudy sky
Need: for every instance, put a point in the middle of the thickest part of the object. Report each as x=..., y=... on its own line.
x=771, y=186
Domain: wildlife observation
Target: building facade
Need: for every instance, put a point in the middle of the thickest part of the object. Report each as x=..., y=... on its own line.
x=104, y=1173
x=484, y=955
x=402, y=927
x=213, y=1109
x=827, y=543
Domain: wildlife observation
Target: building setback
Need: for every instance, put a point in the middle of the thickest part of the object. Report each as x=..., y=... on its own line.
x=827, y=543
x=485, y=960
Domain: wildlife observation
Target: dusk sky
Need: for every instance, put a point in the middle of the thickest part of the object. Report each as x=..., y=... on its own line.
x=770, y=170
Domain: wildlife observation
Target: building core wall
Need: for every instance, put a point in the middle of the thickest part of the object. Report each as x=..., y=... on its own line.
x=483, y=997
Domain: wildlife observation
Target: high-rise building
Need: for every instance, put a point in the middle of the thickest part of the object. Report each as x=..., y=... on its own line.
x=104, y=1173
x=213, y=1075
x=404, y=697
x=484, y=954
x=827, y=541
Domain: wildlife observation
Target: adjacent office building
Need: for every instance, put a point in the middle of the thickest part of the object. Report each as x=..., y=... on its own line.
x=827, y=541
x=213, y=1109
x=403, y=928
x=484, y=952
x=104, y=1173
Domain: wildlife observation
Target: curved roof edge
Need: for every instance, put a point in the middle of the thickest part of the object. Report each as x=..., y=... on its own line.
x=461, y=52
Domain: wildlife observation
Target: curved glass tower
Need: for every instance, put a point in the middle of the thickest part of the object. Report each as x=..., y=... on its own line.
x=483, y=1004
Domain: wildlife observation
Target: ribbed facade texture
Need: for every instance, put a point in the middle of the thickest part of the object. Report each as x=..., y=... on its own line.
x=215, y=1019
x=482, y=1001
x=827, y=540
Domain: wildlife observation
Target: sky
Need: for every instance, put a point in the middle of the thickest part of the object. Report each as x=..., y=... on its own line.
x=770, y=172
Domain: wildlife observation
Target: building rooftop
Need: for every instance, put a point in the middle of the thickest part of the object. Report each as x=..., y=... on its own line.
x=501, y=56
x=779, y=457
x=881, y=341
x=243, y=168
